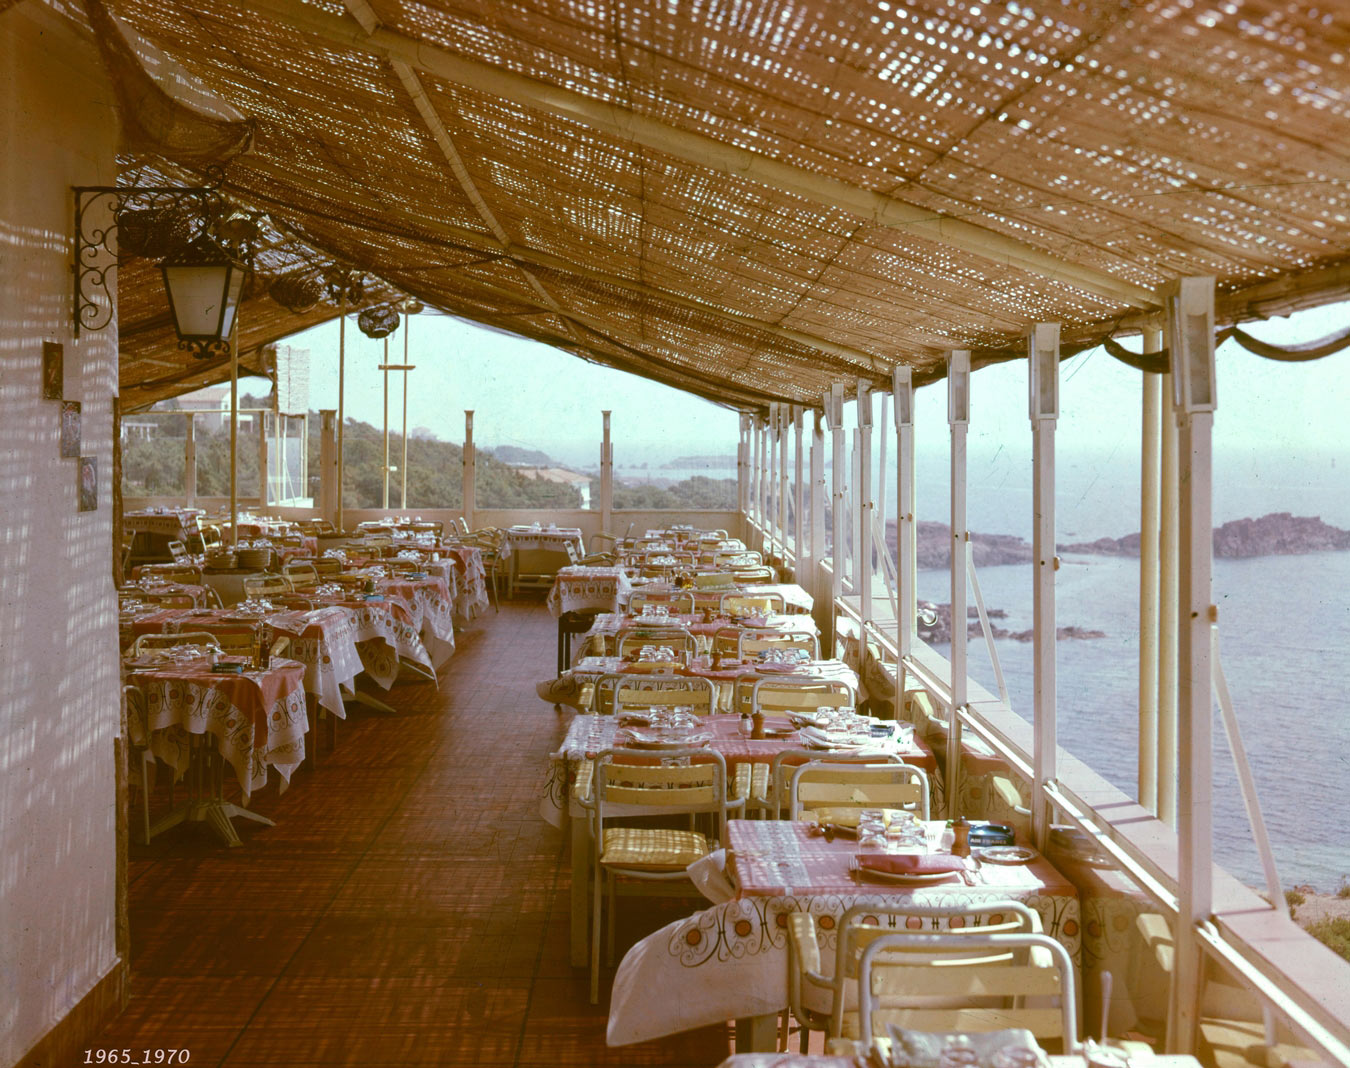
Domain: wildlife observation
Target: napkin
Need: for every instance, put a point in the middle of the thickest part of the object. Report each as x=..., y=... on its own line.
x=709, y=874
x=909, y=864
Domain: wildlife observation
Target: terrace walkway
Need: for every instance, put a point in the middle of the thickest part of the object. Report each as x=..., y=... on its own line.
x=409, y=907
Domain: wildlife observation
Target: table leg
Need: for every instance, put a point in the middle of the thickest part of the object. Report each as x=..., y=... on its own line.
x=581, y=892
x=757, y=1034
x=358, y=697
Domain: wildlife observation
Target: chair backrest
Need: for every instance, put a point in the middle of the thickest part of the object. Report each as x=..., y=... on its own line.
x=189, y=573
x=168, y=641
x=754, y=642
x=262, y=585
x=786, y=763
x=676, y=638
x=301, y=576
x=861, y=925
x=326, y=565
x=210, y=534
x=801, y=695
x=991, y=981
x=762, y=575
x=679, y=601
x=463, y=524
x=615, y=693
x=740, y=601
x=170, y=599
x=686, y=781
x=829, y=783
x=177, y=550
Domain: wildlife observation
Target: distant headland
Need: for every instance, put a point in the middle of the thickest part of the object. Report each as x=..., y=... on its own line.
x=1275, y=534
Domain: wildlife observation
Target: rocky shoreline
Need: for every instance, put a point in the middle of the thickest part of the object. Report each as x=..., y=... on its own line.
x=1274, y=534
x=940, y=630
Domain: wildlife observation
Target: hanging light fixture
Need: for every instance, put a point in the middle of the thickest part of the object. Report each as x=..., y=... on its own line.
x=204, y=284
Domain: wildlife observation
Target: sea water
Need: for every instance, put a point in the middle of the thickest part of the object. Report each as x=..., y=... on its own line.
x=1284, y=626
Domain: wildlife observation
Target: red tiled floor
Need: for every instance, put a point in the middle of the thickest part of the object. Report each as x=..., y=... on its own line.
x=409, y=907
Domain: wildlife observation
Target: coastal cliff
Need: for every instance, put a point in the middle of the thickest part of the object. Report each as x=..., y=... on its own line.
x=1276, y=534
x=934, y=546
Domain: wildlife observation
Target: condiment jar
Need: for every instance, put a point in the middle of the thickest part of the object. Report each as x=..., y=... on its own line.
x=961, y=838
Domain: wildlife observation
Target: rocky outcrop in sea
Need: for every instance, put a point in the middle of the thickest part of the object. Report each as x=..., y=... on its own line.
x=1276, y=534
x=934, y=546
x=941, y=628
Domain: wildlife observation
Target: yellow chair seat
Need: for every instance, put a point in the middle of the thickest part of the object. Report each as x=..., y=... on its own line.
x=652, y=849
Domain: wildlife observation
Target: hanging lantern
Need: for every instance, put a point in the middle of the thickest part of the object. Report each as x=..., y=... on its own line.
x=204, y=286
x=296, y=292
x=378, y=321
x=152, y=233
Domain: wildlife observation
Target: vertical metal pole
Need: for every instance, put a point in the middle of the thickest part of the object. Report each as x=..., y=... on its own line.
x=384, y=500
x=342, y=393
x=1191, y=344
x=234, y=432
x=818, y=517
x=854, y=499
x=784, y=422
x=606, y=474
x=839, y=490
x=743, y=468
x=190, y=459
x=1149, y=453
x=1043, y=392
x=403, y=498
x=262, y=459
x=764, y=490
x=756, y=483
x=862, y=567
x=1167, y=616
x=469, y=482
x=798, y=494
x=958, y=418
x=772, y=512
x=327, y=462
x=902, y=385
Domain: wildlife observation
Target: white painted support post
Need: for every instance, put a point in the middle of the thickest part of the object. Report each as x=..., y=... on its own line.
x=1191, y=344
x=606, y=474
x=1167, y=615
x=1149, y=453
x=824, y=610
x=384, y=497
x=469, y=480
x=773, y=512
x=902, y=387
x=834, y=413
x=958, y=419
x=234, y=433
x=866, y=503
x=756, y=479
x=262, y=460
x=784, y=422
x=342, y=396
x=765, y=483
x=327, y=463
x=1043, y=408
x=190, y=459
x=798, y=498
x=743, y=469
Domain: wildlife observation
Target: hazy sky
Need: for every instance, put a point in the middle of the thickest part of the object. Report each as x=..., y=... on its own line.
x=527, y=394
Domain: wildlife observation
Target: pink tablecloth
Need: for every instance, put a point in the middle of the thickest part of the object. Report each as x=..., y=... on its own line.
x=730, y=961
x=324, y=640
x=433, y=608
x=258, y=718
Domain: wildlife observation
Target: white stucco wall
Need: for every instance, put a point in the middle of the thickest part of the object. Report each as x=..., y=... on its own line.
x=58, y=647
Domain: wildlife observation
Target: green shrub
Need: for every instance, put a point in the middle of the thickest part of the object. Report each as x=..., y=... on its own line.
x=1334, y=933
x=1344, y=889
x=1294, y=897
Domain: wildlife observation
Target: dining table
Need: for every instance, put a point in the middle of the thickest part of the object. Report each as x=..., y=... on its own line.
x=322, y=639
x=386, y=629
x=564, y=797
x=858, y=1059
x=581, y=589
x=730, y=960
x=724, y=673
x=602, y=638
x=195, y=720
x=795, y=597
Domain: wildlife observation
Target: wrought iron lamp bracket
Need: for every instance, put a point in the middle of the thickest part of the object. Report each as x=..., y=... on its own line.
x=96, y=246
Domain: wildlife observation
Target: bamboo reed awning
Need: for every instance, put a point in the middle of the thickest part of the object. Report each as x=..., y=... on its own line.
x=752, y=199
